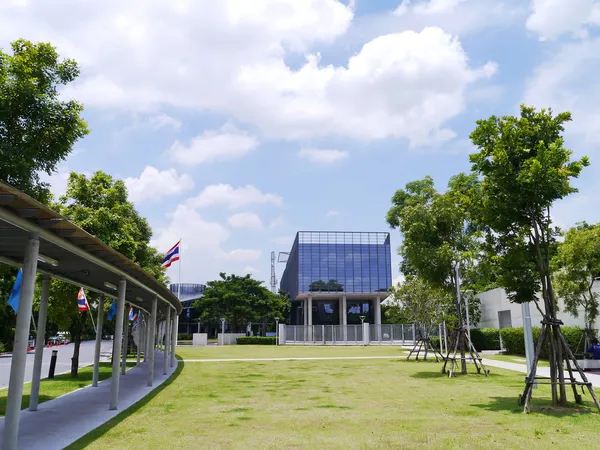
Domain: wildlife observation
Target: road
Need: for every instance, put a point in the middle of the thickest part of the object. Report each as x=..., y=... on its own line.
x=63, y=361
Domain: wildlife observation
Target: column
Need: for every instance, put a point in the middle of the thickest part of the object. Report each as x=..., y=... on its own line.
x=19, y=355
x=166, y=348
x=98, y=341
x=144, y=338
x=40, y=341
x=345, y=317
x=309, y=313
x=378, y=317
x=175, y=327
x=117, y=342
x=152, y=329
x=305, y=319
x=125, y=343
x=139, y=340
x=341, y=308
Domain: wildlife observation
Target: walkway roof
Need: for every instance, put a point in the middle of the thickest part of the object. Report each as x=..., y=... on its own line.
x=71, y=254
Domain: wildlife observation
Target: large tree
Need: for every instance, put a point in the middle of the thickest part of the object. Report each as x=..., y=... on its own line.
x=576, y=266
x=37, y=128
x=525, y=168
x=240, y=300
x=100, y=206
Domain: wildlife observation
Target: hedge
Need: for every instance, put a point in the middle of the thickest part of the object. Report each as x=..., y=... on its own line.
x=184, y=337
x=485, y=339
x=256, y=340
x=512, y=338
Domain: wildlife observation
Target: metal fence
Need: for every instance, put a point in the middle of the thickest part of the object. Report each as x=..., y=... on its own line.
x=366, y=334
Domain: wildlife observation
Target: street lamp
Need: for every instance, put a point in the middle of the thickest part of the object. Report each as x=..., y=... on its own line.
x=223, y=330
x=276, y=330
x=362, y=319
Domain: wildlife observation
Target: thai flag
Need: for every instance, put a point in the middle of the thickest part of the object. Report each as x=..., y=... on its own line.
x=132, y=314
x=171, y=256
x=82, y=303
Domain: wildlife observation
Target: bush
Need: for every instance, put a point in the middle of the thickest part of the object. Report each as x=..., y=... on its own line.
x=256, y=340
x=1, y=347
x=513, y=340
x=184, y=337
x=435, y=342
x=486, y=339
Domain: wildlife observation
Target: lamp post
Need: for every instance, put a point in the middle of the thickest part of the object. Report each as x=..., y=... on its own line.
x=223, y=330
x=276, y=330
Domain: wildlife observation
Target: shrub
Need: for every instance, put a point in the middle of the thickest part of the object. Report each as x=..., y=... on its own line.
x=513, y=340
x=256, y=340
x=435, y=342
x=486, y=339
x=1, y=347
x=184, y=337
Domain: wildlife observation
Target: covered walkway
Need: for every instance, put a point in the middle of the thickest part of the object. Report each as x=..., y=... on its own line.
x=60, y=422
x=40, y=241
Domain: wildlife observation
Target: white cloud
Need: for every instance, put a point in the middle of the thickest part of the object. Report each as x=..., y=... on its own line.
x=228, y=143
x=332, y=212
x=403, y=84
x=164, y=120
x=245, y=220
x=551, y=19
x=58, y=181
x=277, y=222
x=250, y=270
x=241, y=255
x=323, y=156
x=153, y=184
x=225, y=194
x=428, y=6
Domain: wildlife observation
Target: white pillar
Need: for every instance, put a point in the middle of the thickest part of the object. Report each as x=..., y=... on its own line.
x=341, y=310
x=305, y=311
x=166, y=348
x=177, y=331
x=40, y=341
x=144, y=335
x=139, y=342
x=282, y=334
x=118, y=340
x=366, y=336
x=125, y=343
x=309, y=309
x=174, y=321
x=19, y=355
x=345, y=317
x=378, y=311
x=98, y=341
x=152, y=330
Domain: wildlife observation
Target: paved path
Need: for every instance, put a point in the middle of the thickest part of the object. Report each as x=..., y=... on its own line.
x=63, y=361
x=62, y=421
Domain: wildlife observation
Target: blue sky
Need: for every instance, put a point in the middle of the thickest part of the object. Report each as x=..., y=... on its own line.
x=237, y=123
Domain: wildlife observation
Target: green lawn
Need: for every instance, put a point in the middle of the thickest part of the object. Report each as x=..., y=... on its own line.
x=516, y=359
x=59, y=385
x=339, y=404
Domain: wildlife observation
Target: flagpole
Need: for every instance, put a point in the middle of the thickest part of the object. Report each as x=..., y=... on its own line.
x=92, y=317
x=179, y=281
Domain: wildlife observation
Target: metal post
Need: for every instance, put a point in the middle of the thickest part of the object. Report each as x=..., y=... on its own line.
x=441, y=340
x=166, y=349
x=445, y=337
x=118, y=338
x=528, y=336
x=19, y=355
x=125, y=347
x=152, y=329
x=139, y=340
x=402, y=329
x=222, y=331
x=323, y=334
x=467, y=312
x=277, y=331
x=96, y=374
x=414, y=334
x=40, y=341
x=174, y=338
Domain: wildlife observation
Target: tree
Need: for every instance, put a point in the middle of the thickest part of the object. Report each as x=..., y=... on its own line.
x=525, y=168
x=99, y=205
x=240, y=300
x=577, y=265
x=37, y=129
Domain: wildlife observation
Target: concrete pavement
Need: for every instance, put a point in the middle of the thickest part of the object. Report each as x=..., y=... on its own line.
x=63, y=361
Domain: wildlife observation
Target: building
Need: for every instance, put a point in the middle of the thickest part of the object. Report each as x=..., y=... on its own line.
x=497, y=311
x=335, y=278
x=188, y=319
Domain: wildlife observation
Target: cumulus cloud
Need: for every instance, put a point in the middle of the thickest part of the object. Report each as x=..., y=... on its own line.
x=242, y=255
x=227, y=195
x=427, y=7
x=403, y=84
x=322, y=156
x=550, y=19
x=245, y=220
x=227, y=143
x=332, y=212
x=153, y=184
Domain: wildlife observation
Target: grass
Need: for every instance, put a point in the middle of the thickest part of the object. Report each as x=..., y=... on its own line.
x=339, y=404
x=515, y=359
x=59, y=385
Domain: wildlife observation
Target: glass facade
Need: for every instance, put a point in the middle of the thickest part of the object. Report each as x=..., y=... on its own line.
x=189, y=293
x=344, y=262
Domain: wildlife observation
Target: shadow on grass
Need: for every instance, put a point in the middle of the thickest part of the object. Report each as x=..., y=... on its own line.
x=539, y=406
x=457, y=375
x=97, y=433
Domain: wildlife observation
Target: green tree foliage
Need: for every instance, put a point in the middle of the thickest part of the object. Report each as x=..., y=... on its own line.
x=423, y=302
x=99, y=205
x=525, y=168
x=577, y=265
x=37, y=129
x=240, y=300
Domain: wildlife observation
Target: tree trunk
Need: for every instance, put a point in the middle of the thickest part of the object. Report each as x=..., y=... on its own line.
x=76, y=335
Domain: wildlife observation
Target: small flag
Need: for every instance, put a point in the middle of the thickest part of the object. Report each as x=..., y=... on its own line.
x=82, y=303
x=132, y=314
x=112, y=311
x=13, y=299
x=136, y=324
x=171, y=256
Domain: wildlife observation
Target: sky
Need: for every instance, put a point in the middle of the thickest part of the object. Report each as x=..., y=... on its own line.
x=237, y=123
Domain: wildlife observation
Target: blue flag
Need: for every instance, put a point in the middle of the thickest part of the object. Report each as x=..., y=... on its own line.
x=112, y=311
x=15, y=294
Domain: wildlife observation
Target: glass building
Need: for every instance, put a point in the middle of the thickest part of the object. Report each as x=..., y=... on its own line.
x=188, y=322
x=334, y=278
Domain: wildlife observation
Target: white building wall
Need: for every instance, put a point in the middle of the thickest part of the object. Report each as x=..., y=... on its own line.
x=495, y=301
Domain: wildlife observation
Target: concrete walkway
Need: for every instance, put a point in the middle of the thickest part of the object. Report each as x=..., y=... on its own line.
x=62, y=421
